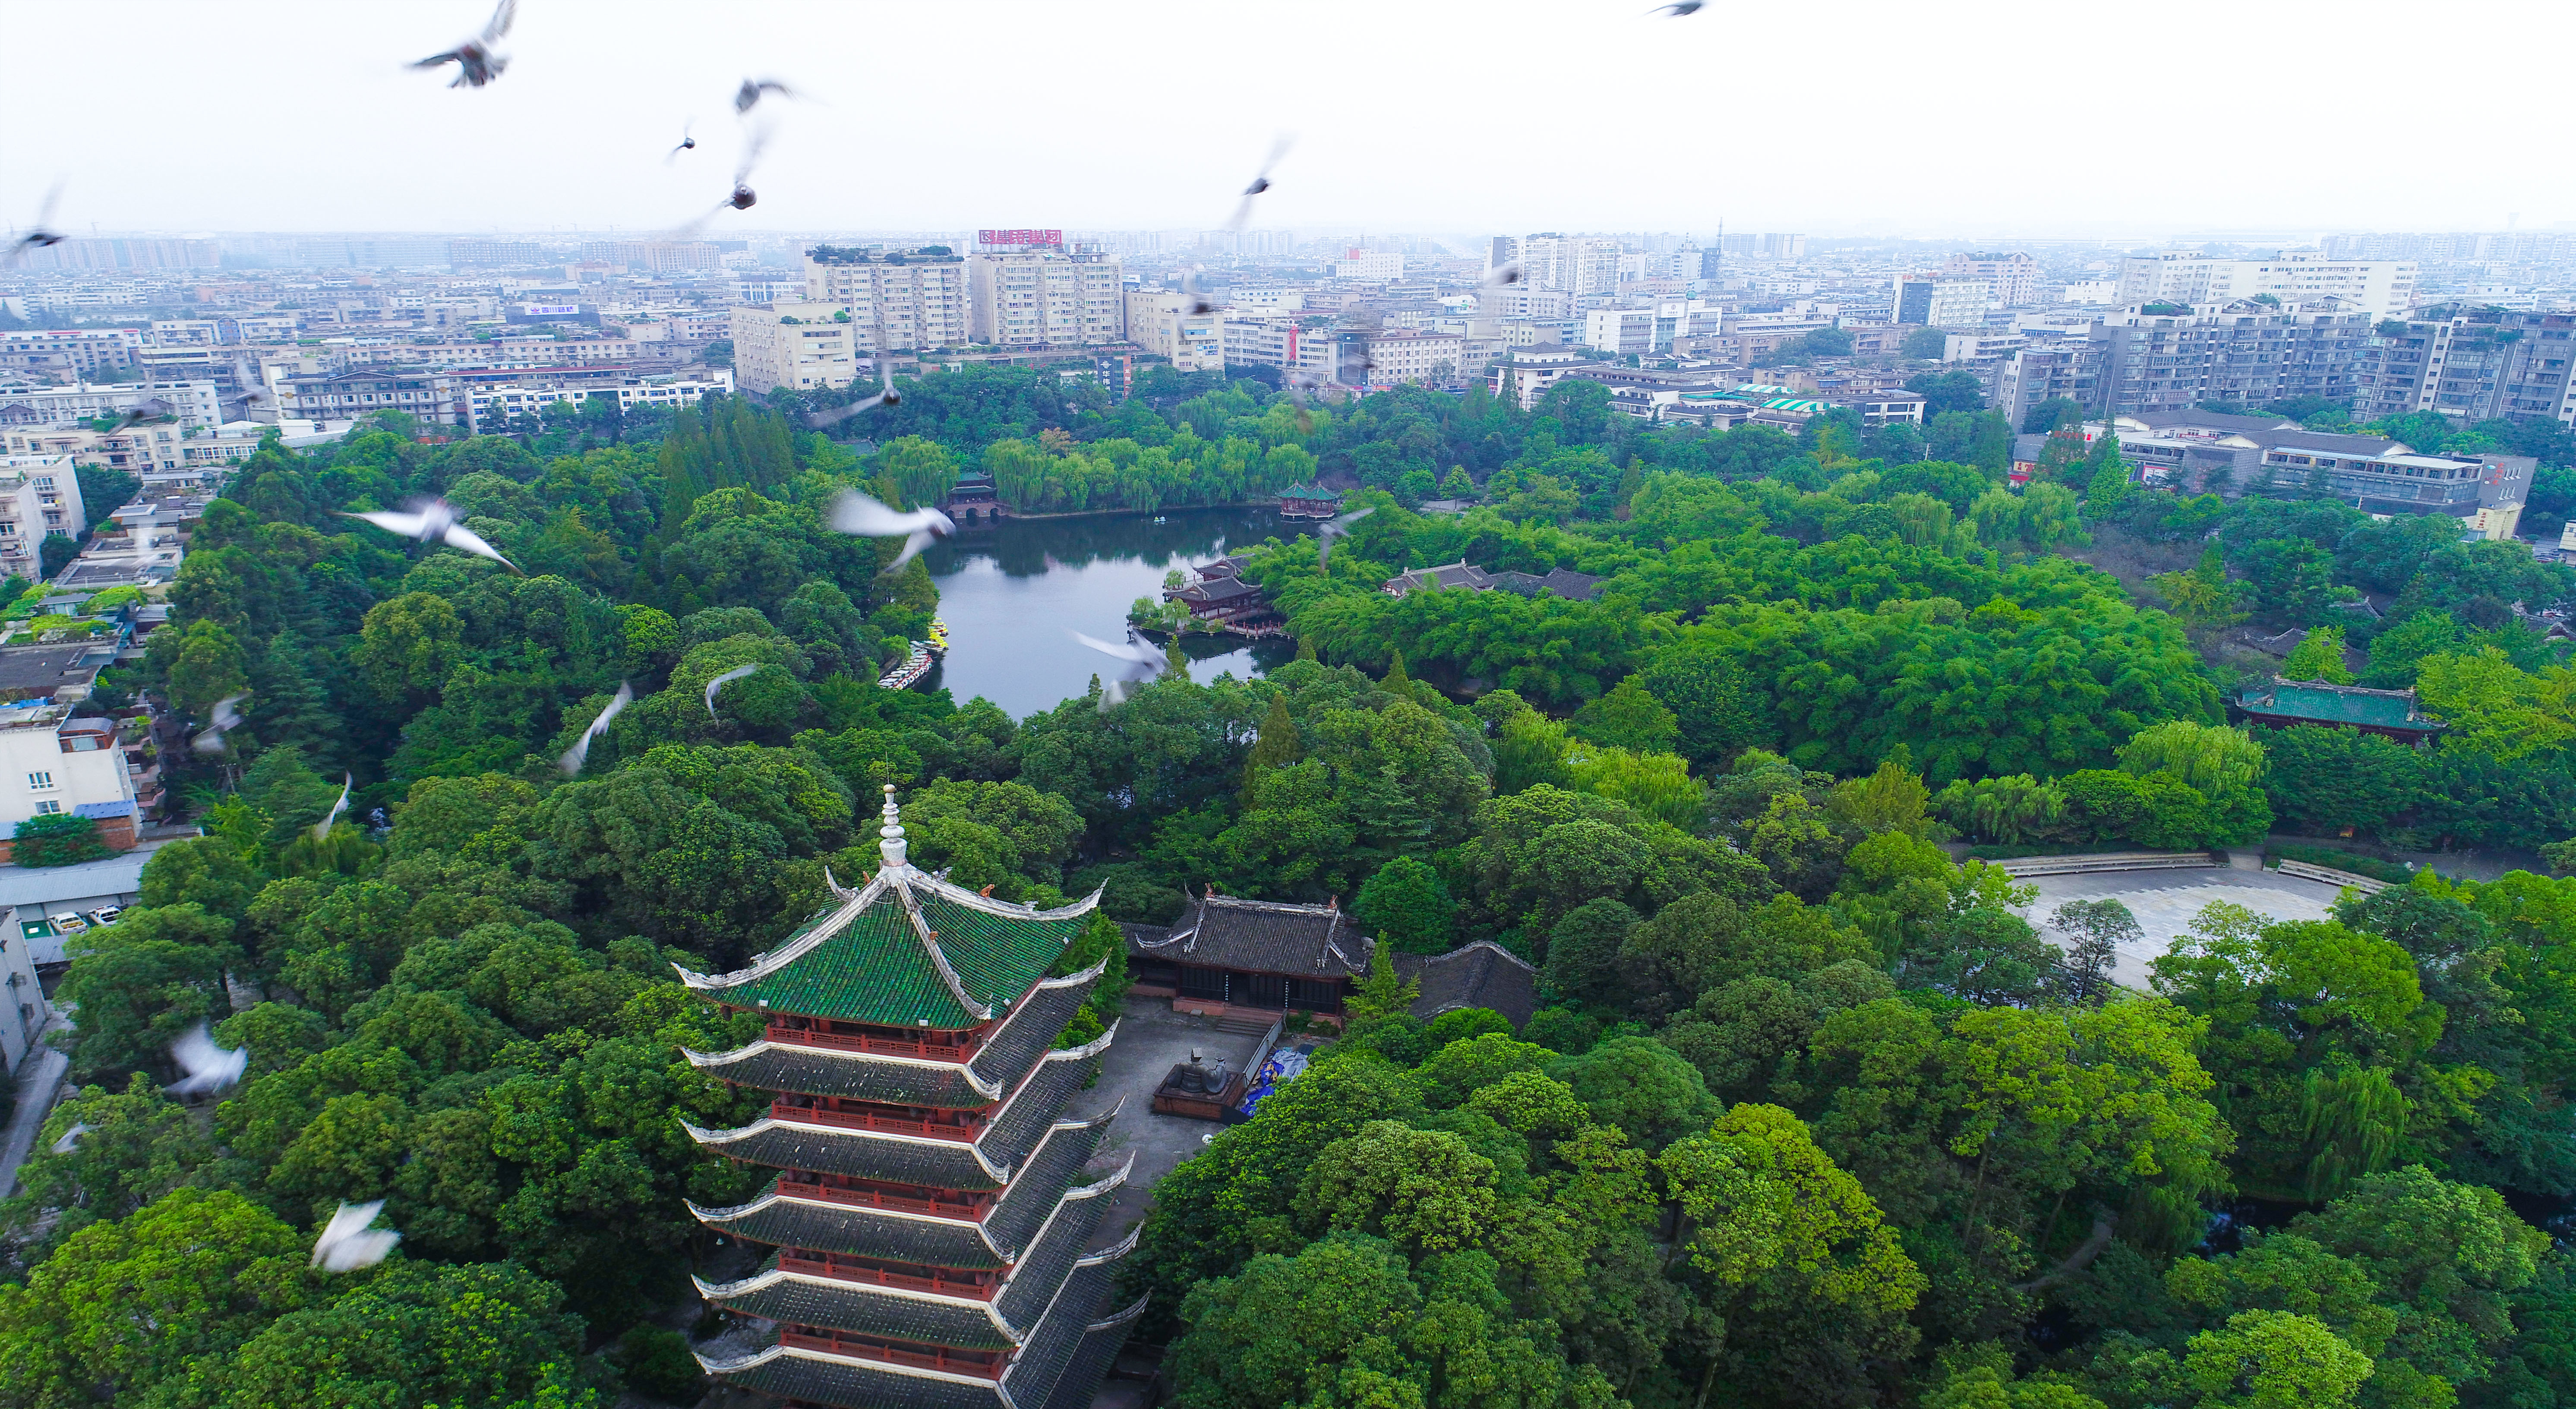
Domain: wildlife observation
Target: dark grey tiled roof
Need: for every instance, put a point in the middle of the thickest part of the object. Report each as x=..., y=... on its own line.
x=811, y=1376
x=1571, y=585
x=863, y=1232
x=1222, y=932
x=874, y=1311
x=1479, y=975
x=1101, y=1341
x=1031, y=1028
x=1218, y=589
x=943, y=1164
x=1021, y=1124
x=1045, y=1373
x=1040, y=1272
x=815, y=1071
x=1040, y=1182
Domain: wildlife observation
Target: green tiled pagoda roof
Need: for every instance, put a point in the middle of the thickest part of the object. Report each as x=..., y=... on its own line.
x=2335, y=704
x=909, y=950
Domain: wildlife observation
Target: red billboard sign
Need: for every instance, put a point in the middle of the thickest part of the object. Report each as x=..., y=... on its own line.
x=1020, y=237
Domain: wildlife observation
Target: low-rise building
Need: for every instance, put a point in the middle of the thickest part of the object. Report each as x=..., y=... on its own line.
x=495, y=405
x=811, y=346
x=1163, y=323
x=1526, y=375
x=54, y=762
x=1392, y=359
x=191, y=403
x=437, y=398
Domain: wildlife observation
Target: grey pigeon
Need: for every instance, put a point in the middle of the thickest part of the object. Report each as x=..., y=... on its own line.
x=476, y=63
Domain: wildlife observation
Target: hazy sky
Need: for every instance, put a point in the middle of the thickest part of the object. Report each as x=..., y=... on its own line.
x=1933, y=118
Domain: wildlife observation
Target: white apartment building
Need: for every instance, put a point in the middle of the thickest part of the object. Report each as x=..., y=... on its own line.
x=1621, y=330
x=39, y=495
x=801, y=346
x=1395, y=358
x=1160, y=322
x=1570, y=265
x=899, y=301
x=2382, y=288
x=80, y=350
x=506, y=400
x=1251, y=341
x=1035, y=297
x=2013, y=277
x=1532, y=370
x=194, y=403
x=1250, y=300
x=1373, y=266
x=52, y=763
x=1522, y=301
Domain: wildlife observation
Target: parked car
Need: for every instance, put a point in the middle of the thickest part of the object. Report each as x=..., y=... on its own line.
x=68, y=923
x=106, y=914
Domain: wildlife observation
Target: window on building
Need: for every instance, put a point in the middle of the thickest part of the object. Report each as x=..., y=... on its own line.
x=48, y=808
x=40, y=781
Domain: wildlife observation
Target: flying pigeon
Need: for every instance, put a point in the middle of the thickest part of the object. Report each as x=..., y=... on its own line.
x=322, y=829
x=856, y=513
x=886, y=396
x=748, y=96
x=1260, y=183
x=432, y=520
x=211, y=738
x=1135, y=653
x=742, y=198
x=210, y=1068
x=1679, y=8
x=1200, y=302
x=688, y=142
x=723, y=680
x=1500, y=276
x=475, y=62
x=38, y=235
x=1337, y=528
x=63, y=1146
x=347, y=1244
x=579, y=754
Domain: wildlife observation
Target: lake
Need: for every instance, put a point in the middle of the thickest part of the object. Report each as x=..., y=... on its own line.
x=1013, y=592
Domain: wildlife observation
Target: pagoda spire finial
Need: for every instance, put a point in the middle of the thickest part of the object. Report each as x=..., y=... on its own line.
x=890, y=843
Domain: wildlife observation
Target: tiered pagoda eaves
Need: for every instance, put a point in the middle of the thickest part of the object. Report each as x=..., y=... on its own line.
x=932, y=1241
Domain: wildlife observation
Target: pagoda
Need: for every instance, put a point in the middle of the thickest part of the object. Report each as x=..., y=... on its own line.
x=931, y=1216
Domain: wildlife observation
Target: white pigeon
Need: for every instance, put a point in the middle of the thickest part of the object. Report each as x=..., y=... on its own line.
x=322, y=829
x=210, y=1067
x=1135, y=653
x=347, y=1244
x=211, y=738
x=856, y=513
x=63, y=1146
x=723, y=680
x=886, y=396
x=434, y=521
x=579, y=754
x=1337, y=528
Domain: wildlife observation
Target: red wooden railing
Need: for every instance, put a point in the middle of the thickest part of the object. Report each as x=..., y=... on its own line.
x=872, y=1120
x=874, y=1046
x=983, y=1364
x=835, y=1268
x=972, y=1210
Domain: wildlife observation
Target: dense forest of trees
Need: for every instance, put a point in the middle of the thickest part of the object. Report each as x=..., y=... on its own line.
x=1813, y=1114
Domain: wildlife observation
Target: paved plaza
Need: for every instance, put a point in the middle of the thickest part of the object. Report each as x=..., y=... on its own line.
x=2165, y=901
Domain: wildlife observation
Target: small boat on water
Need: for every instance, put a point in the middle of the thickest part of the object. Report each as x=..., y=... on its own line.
x=919, y=660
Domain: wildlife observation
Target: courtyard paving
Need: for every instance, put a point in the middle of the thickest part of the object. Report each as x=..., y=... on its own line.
x=2166, y=901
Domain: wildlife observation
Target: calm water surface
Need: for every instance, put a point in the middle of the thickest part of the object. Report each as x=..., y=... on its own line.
x=1012, y=594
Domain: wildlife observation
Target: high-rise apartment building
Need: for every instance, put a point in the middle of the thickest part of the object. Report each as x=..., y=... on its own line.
x=1032, y=297
x=899, y=300
x=2382, y=288
x=2013, y=277
x=1943, y=302
x=2472, y=366
x=800, y=346
x=1570, y=265
x=2142, y=364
